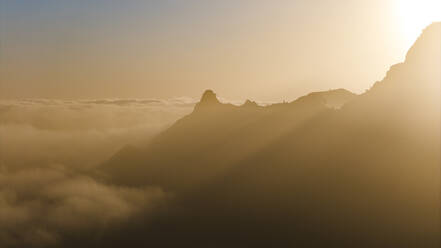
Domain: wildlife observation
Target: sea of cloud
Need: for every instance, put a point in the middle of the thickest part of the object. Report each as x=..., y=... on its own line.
x=80, y=133
x=48, y=152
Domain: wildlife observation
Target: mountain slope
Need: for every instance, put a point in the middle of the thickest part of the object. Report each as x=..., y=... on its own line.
x=302, y=174
x=368, y=174
x=213, y=138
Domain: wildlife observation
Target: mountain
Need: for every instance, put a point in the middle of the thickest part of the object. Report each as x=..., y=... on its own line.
x=214, y=137
x=330, y=169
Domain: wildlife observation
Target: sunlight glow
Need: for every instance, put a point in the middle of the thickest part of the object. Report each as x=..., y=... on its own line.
x=415, y=15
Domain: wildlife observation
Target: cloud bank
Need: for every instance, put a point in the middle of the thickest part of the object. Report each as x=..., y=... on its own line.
x=41, y=207
x=50, y=193
x=80, y=133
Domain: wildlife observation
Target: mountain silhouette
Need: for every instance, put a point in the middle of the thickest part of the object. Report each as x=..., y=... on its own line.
x=214, y=137
x=208, y=99
x=330, y=169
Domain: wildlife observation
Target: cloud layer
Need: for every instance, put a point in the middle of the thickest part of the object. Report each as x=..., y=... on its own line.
x=39, y=207
x=49, y=191
x=80, y=133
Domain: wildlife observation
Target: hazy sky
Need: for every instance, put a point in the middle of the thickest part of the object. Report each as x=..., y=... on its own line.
x=264, y=50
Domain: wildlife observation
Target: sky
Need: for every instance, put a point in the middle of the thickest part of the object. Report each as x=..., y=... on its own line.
x=262, y=50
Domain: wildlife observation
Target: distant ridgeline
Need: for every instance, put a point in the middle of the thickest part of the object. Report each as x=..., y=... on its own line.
x=330, y=169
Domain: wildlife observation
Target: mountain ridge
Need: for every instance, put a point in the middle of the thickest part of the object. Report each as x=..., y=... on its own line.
x=207, y=118
x=304, y=174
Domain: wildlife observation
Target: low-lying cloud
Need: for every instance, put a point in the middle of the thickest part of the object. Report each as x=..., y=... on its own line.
x=80, y=133
x=38, y=207
x=50, y=192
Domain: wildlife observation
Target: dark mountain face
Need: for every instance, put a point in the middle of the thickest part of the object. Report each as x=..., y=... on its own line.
x=330, y=169
x=208, y=100
x=213, y=138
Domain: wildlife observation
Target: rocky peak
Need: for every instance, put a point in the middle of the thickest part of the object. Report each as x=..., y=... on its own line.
x=250, y=104
x=208, y=99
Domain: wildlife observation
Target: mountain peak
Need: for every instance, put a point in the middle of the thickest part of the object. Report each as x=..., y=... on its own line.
x=419, y=72
x=250, y=104
x=208, y=99
x=427, y=43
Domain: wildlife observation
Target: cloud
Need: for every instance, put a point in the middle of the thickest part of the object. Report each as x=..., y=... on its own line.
x=49, y=191
x=80, y=133
x=39, y=206
x=92, y=114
